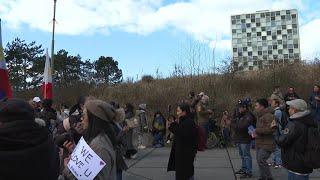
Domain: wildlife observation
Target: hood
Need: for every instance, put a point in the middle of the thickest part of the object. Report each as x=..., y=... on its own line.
x=304, y=117
x=140, y=111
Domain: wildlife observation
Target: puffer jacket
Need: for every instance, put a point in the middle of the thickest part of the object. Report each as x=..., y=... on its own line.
x=292, y=141
x=240, y=126
x=264, y=139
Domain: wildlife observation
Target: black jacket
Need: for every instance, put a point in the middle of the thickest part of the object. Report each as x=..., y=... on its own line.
x=291, y=96
x=240, y=126
x=27, y=152
x=292, y=141
x=184, y=148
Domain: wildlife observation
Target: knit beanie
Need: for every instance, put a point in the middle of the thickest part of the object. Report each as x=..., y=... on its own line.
x=15, y=110
x=101, y=109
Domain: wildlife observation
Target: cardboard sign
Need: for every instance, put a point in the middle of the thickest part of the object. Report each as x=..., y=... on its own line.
x=85, y=164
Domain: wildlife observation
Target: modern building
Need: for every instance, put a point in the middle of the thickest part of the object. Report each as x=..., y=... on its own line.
x=265, y=39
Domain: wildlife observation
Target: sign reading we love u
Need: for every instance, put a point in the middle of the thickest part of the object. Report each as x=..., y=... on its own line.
x=85, y=164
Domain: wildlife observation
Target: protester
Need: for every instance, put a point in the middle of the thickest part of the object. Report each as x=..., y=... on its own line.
x=293, y=140
x=131, y=122
x=63, y=112
x=98, y=117
x=278, y=94
x=240, y=125
x=36, y=102
x=158, y=129
x=142, y=129
x=225, y=127
x=184, y=147
x=264, y=137
x=49, y=115
x=291, y=95
x=27, y=150
x=169, y=135
x=203, y=119
x=280, y=118
x=120, y=148
x=314, y=102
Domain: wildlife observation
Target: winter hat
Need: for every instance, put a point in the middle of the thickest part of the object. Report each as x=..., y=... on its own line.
x=101, y=109
x=298, y=104
x=143, y=106
x=15, y=109
x=275, y=97
x=36, y=99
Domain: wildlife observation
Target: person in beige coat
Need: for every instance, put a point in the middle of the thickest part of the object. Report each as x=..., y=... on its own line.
x=98, y=117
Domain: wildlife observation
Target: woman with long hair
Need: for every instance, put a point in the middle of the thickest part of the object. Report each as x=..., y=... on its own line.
x=98, y=117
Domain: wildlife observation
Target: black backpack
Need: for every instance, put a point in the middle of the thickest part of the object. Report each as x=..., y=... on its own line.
x=312, y=153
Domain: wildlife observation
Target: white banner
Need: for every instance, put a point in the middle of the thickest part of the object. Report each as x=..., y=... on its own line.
x=85, y=164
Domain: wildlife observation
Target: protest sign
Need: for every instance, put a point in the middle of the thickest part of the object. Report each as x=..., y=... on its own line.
x=85, y=164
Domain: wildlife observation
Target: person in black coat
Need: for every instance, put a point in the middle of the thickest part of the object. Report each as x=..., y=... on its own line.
x=27, y=150
x=184, y=146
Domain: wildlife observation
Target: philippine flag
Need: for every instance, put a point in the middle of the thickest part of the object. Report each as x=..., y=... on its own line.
x=5, y=87
x=47, y=79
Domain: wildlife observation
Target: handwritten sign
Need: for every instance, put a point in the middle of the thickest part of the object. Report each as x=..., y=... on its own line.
x=85, y=164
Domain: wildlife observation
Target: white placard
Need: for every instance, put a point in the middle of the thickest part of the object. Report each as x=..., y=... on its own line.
x=85, y=164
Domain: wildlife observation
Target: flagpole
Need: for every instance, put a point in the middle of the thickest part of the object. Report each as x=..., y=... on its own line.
x=52, y=43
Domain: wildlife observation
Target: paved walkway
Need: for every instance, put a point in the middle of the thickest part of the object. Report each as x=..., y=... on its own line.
x=211, y=164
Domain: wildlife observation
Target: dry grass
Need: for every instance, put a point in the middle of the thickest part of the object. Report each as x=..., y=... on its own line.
x=223, y=90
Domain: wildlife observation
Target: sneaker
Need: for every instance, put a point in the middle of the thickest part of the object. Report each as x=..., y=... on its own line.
x=168, y=142
x=277, y=166
x=240, y=172
x=141, y=147
x=270, y=164
x=245, y=175
x=133, y=156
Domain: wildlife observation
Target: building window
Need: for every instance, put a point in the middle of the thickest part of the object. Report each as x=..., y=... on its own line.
x=294, y=16
x=235, y=49
x=259, y=53
x=243, y=21
x=295, y=45
x=284, y=27
x=234, y=21
x=239, y=54
x=258, y=33
x=268, y=33
x=290, y=50
x=263, y=28
x=273, y=18
x=244, y=48
x=269, y=51
x=258, y=24
x=280, y=51
x=278, y=31
x=279, y=41
x=250, y=53
x=248, y=25
x=274, y=37
x=264, y=38
x=238, y=17
x=253, y=20
x=275, y=47
x=234, y=31
x=278, y=13
x=289, y=31
x=288, y=12
x=283, y=17
x=248, y=34
x=250, y=68
x=285, y=46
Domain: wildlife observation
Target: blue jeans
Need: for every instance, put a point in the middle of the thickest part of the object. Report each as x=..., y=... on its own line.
x=245, y=154
x=293, y=176
x=158, y=138
x=277, y=156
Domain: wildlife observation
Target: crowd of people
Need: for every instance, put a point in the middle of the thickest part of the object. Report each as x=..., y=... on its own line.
x=39, y=136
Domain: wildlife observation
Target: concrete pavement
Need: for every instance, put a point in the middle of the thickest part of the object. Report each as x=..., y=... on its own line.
x=151, y=164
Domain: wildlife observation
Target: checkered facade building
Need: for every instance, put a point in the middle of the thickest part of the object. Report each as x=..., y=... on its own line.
x=265, y=39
